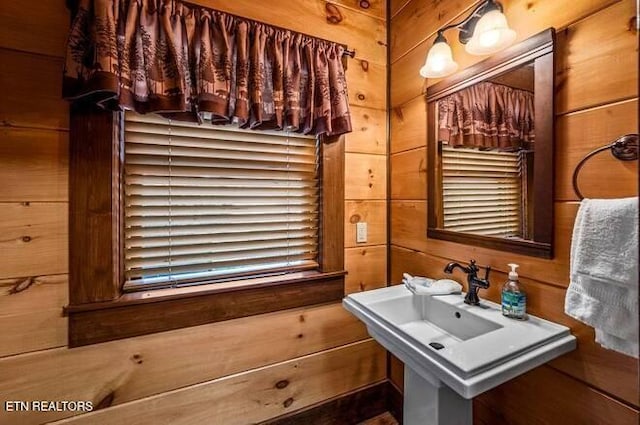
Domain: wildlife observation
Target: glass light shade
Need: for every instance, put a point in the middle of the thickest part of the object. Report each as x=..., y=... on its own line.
x=439, y=62
x=492, y=34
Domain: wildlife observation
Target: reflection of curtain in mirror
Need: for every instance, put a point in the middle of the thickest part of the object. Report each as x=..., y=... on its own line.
x=487, y=116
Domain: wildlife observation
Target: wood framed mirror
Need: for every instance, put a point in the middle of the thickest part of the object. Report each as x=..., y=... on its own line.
x=490, y=145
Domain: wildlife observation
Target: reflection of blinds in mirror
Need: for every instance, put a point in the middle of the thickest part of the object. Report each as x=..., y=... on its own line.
x=482, y=192
x=204, y=202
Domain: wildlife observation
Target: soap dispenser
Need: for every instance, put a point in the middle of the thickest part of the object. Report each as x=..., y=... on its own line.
x=514, y=300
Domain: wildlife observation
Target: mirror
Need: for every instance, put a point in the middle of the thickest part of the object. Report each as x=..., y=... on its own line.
x=490, y=151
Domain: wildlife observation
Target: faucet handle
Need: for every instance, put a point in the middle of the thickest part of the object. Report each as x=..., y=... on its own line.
x=487, y=270
x=472, y=266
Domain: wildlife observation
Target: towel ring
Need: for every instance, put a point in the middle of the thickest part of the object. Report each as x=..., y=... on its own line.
x=625, y=148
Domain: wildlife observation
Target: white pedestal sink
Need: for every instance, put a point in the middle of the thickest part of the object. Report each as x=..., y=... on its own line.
x=453, y=351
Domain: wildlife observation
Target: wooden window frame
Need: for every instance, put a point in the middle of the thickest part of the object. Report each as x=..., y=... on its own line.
x=98, y=308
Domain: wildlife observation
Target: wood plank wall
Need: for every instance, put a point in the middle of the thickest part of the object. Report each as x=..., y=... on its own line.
x=597, y=98
x=241, y=371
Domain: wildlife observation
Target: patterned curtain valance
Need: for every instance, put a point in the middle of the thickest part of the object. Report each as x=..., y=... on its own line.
x=174, y=58
x=488, y=116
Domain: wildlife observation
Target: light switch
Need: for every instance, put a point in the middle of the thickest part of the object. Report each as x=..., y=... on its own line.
x=361, y=232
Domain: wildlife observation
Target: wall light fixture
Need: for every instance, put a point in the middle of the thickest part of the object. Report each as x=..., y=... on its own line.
x=483, y=32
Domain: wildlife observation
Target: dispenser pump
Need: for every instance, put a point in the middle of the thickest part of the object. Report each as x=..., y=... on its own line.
x=514, y=300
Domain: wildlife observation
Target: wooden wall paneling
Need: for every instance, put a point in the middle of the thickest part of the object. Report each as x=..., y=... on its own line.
x=369, y=133
x=555, y=271
x=31, y=313
x=365, y=176
x=367, y=81
x=34, y=239
x=406, y=82
x=408, y=174
x=275, y=390
x=579, y=133
x=408, y=125
x=367, y=268
x=396, y=6
x=596, y=63
x=404, y=260
x=396, y=372
x=24, y=294
x=35, y=165
x=482, y=415
x=374, y=213
x=424, y=18
x=31, y=87
x=526, y=18
x=375, y=8
x=41, y=29
x=570, y=402
x=604, y=369
x=350, y=408
x=33, y=331
x=408, y=224
x=129, y=369
x=408, y=230
x=365, y=34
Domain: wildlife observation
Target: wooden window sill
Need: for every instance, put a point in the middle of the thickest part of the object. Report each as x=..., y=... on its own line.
x=146, y=312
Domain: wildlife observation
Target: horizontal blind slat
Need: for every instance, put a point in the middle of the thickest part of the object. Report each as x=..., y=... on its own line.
x=276, y=183
x=207, y=201
x=224, y=268
x=270, y=144
x=213, y=229
x=246, y=212
x=205, y=261
x=176, y=153
x=226, y=192
x=224, y=163
x=481, y=191
x=203, y=239
x=220, y=172
x=179, y=252
x=190, y=220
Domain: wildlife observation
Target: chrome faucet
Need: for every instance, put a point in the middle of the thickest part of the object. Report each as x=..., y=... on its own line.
x=474, y=283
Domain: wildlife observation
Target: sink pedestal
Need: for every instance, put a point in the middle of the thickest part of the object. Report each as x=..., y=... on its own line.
x=431, y=402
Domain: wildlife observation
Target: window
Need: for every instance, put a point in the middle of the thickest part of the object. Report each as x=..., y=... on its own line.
x=482, y=192
x=254, y=218
x=205, y=202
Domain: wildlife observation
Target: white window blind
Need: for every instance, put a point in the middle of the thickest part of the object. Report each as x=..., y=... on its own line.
x=203, y=202
x=482, y=192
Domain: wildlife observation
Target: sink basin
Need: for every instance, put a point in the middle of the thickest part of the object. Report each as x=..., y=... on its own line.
x=470, y=349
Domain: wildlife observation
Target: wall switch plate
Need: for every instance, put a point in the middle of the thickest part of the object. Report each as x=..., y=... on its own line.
x=361, y=232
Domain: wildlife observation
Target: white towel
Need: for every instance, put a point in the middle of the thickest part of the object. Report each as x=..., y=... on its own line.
x=603, y=291
x=424, y=286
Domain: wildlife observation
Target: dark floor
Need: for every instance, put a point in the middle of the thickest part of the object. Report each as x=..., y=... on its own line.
x=384, y=419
